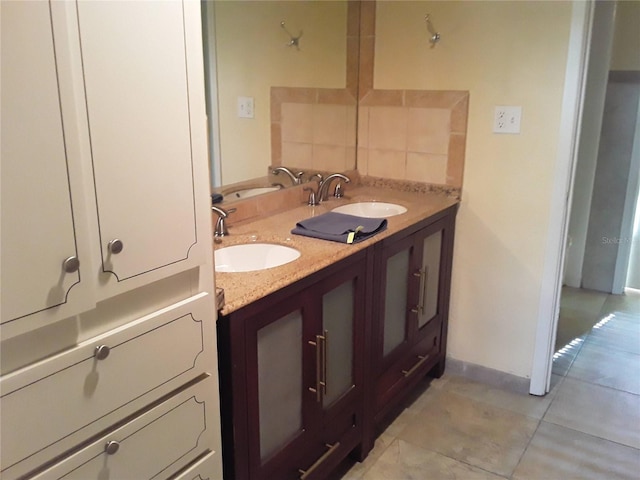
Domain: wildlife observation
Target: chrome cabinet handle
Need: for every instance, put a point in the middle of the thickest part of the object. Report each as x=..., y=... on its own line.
x=112, y=447
x=320, y=461
x=423, y=275
x=71, y=264
x=421, y=360
x=115, y=246
x=321, y=366
x=101, y=352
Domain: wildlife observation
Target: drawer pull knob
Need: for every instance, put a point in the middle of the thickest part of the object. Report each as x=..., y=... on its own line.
x=112, y=447
x=115, y=246
x=102, y=352
x=71, y=264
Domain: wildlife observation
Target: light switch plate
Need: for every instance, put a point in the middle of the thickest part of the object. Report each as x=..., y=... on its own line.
x=506, y=119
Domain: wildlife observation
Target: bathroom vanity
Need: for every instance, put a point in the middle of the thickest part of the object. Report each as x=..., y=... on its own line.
x=317, y=352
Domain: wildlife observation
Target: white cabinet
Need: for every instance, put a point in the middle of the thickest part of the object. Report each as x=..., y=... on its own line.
x=103, y=148
x=42, y=221
x=140, y=97
x=106, y=250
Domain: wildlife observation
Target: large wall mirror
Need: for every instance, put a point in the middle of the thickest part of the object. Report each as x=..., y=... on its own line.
x=304, y=96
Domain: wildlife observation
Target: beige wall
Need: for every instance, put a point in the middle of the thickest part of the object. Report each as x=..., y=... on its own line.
x=626, y=40
x=504, y=53
x=252, y=57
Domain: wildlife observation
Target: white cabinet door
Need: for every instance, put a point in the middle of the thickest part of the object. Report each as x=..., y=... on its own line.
x=139, y=102
x=41, y=223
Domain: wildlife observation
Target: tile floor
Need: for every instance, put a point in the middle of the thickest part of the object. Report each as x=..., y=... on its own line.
x=587, y=427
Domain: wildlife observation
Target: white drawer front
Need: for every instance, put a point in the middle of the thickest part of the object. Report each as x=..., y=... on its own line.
x=74, y=395
x=207, y=468
x=154, y=445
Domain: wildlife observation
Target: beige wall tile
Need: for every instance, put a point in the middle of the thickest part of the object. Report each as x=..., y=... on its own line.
x=459, y=115
x=328, y=157
x=350, y=158
x=363, y=126
x=426, y=167
x=428, y=130
x=330, y=125
x=455, y=164
x=336, y=96
x=389, y=98
x=298, y=154
x=387, y=163
x=350, y=140
x=363, y=161
x=297, y=122
x=388, y=128
x=434, y=98
x=276, y=144
x=365, y=74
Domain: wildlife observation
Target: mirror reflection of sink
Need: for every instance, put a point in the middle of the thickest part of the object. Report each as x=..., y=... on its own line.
x=371, y=209
x=251, y=192
x=250, y=257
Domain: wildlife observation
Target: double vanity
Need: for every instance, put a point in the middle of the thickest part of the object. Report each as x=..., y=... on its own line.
x=315, y=353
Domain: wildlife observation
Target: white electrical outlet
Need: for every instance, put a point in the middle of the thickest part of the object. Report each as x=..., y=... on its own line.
x=245, y=107
x=507, y=119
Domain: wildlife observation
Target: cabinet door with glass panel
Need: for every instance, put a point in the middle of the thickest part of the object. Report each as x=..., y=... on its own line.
x=410, y=327
x=302, y=377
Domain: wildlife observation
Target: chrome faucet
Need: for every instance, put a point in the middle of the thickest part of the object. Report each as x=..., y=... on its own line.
x=221, y=227
x=296, y=179
x=316, y=198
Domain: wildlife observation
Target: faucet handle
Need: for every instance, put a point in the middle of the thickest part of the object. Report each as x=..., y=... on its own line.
x=312, y=196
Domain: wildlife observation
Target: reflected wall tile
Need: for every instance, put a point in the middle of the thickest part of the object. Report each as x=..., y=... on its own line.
x=329, y=125
x=298, y=154
x=329, y=157
x=297, y=122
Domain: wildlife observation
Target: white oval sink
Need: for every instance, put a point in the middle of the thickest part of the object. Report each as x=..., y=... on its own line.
x=371, y=209
x=251, y=192
x=250, y=257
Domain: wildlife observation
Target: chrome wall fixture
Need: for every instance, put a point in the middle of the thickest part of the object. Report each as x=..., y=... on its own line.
x=435, y=36
x=294, y=41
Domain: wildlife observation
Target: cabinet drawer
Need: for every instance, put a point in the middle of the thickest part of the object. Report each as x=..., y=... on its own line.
x=53, y=405
x=418, y=360
x=155, y=445
x=202, y=469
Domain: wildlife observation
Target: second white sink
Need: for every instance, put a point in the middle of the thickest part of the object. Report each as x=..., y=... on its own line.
x=371, y=209
x=250, y=257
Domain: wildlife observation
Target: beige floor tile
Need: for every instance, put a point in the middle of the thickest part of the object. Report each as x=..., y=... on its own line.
x=607, y=367
x=563, y=357
x=404, y=461
x=579, y=311
x=617, y=334
x=596, y=410
x=471, y=431
x=560, y=453
x=528, y=405
x=358, y=469
x=629, y=302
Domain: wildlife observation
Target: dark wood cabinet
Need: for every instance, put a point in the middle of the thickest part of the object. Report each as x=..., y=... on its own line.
x=292, y=376
x=412, y=273
x=307, y=372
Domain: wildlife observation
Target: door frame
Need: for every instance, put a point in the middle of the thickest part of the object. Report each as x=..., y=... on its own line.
x=570, y=124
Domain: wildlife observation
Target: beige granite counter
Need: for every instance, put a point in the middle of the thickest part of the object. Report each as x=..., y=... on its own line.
x=241, y=289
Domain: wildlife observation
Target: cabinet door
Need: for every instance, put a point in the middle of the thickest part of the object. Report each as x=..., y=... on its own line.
x=396, y=267
x=429, y=278
x=42, y=225
x=140, y=96
x=279, y=414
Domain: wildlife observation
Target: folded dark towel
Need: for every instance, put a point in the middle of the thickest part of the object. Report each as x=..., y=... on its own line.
x=339, y=227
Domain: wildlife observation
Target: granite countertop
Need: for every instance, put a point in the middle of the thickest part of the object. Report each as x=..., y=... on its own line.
x=241, y=289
